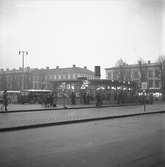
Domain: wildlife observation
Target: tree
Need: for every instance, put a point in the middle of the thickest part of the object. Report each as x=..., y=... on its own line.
x=143, y=70
x=122, y=72
x=120, y=62
x=161, y=62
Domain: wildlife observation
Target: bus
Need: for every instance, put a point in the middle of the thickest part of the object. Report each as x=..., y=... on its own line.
x=33, y=95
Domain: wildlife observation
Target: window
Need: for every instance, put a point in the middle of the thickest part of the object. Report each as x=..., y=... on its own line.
x=115, y=74
x=135, y=74
x=157, y=73
x=150, y=83
x=150, y=74
x=157, y=83
x=109, y=75
x=50, y=77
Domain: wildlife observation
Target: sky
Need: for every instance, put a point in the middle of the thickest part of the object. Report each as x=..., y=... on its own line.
x=81, y=32
x=163, y=42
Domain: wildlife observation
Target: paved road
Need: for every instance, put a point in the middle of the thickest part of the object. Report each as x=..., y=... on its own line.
x=126, y=142
x=40, y=117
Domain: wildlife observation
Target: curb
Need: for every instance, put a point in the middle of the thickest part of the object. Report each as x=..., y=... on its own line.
x=75, y=121
x=68, y=108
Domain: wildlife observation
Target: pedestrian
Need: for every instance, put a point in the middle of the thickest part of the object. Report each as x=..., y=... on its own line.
x=84, y=98
x=73, y=98
x=98, y=99
x=87, y=98
x=1, y=103
x=151, y=98
x=5, y=100
x=51, y=99
x=46, y=100
x=64, y=99
x=54, y=99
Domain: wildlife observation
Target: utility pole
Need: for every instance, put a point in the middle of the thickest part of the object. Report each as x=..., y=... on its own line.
x=23, y=53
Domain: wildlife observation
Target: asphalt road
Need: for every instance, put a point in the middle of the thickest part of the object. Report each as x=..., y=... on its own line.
x=126, y=142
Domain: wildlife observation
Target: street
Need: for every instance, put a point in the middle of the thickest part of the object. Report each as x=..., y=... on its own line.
x=50, y=116
x=131, y=142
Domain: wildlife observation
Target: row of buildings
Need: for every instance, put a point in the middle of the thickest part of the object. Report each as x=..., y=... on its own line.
x=28, y=78
x=148, y=72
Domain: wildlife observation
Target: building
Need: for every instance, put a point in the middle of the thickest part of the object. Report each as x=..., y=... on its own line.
x=149, y=72
x=40, y=78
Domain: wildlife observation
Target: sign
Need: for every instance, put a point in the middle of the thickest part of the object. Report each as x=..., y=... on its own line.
x=144, y=85
x=63, y=86
x=97, y=71
x=85, y=82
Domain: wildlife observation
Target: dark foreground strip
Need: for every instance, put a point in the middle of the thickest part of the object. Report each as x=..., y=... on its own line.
x=75, y=121
x=67, y=108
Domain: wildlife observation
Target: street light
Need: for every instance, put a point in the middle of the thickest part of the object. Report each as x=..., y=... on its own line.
x=23, y=53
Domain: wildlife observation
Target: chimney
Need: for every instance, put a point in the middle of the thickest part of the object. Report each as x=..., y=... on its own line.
x=57, y=67
x=97, y=72
x=85, y=67
x=74, y=65
x=149, y=62
x=47, y=68
x=28, y=68
x=20, y=68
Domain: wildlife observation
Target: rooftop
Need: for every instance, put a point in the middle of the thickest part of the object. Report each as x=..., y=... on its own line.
x=58, y=70
x=134, y=66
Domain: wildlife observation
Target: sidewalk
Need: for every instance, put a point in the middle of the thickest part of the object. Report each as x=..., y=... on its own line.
x=24, y=120
x=39, y=107
x=34, y=107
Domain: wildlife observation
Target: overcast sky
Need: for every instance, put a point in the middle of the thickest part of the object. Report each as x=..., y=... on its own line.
x=85, y=33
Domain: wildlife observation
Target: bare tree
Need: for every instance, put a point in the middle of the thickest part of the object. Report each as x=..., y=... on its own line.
x=143, y=70
x=161, y=62
x=122, y=72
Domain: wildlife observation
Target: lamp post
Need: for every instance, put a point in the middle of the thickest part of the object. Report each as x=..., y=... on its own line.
x=23, y=53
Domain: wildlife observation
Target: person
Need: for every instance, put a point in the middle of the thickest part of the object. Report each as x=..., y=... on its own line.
x=84, y=98
x=87, y=98
x=64, y=99
x=151, y=98
x=54, y=99
x=73, y=98
x=47, y=100
x=51, y=99
x=98, y=99
x=5, y=100
x=1, y=103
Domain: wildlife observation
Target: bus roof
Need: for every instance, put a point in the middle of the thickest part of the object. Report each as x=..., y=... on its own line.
x=37, y=90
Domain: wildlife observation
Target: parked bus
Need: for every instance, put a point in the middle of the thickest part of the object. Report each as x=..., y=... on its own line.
x=33, y=95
